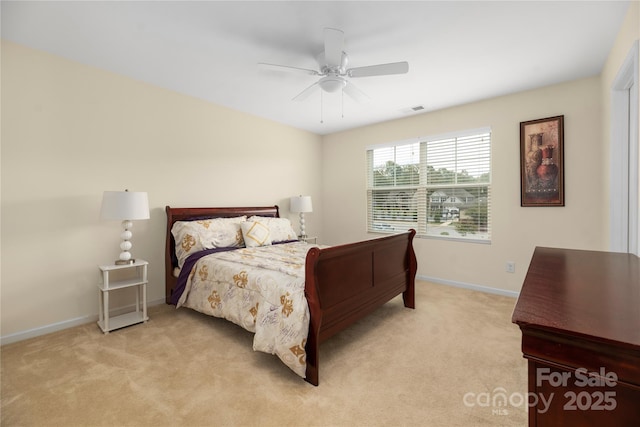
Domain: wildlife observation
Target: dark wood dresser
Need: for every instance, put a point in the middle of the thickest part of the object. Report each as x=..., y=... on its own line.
x=579, y=313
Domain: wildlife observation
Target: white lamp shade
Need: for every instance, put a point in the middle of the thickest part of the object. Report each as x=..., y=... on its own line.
x=123, y=205
x=301, y=204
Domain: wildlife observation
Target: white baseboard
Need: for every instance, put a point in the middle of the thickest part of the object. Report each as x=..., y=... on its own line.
x=480, y=288
x=43, y=330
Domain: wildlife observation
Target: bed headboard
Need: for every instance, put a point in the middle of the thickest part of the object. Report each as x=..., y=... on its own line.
x=193, y=214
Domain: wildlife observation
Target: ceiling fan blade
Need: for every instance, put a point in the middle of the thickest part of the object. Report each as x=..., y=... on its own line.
x=355, y=93
x=333, y=45
x=379, y=70
x=305, y=93
x=277, y=67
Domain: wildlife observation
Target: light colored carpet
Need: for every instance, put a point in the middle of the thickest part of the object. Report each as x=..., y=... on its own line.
x=398, y=367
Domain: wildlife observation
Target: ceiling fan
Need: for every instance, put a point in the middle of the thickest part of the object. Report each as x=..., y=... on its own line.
x=333, y=71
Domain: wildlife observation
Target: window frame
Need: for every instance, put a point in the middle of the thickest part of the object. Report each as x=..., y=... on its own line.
x=423, y=191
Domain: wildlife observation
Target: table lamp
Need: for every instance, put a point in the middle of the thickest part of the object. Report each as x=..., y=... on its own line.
x=126, y=206
x=301, y=204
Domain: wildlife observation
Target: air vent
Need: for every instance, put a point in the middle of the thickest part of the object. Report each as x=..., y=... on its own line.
x=415, y=109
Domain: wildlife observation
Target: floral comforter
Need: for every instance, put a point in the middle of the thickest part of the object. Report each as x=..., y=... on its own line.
x=260, y=289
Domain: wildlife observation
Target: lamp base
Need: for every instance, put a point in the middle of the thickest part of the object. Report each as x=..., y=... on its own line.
x=124, y=261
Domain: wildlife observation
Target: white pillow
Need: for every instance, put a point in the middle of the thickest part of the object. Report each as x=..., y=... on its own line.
x=225, y=232
x=194, y=236
x=255, y=233
x=279, y=228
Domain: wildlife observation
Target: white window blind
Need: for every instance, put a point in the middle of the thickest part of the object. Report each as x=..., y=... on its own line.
x=440, y=186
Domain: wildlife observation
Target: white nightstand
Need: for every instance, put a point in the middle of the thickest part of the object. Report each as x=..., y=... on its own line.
x=138, y=271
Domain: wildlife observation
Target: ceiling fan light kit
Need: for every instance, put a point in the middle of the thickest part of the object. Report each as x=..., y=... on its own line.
x=332, y=83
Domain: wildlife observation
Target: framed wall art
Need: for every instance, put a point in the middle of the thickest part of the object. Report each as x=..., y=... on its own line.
x=542, y=162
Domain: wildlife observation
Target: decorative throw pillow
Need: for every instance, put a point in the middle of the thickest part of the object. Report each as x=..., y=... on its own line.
x=279, y=228
x=194, y=236
x=255, y=233
x=225, y=232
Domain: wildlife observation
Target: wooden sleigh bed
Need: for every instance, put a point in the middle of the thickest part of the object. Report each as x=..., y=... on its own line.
x=342, y=284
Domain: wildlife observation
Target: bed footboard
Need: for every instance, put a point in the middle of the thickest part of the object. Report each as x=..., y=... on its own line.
x=345, y=283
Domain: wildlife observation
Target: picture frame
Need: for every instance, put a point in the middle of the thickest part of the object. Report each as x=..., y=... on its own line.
x=542, y=162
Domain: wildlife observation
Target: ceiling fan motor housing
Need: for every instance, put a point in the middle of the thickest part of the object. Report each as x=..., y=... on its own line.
x=340, y=70
x=333, y=80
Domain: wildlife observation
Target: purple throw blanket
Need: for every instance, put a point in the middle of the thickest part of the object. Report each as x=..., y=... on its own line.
x=186, y=270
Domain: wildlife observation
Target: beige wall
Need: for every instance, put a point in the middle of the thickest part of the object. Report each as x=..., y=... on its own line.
x=516, y=231
x=69, y=132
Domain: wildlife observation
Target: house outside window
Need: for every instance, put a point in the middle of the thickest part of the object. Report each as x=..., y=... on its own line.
x=440, y=186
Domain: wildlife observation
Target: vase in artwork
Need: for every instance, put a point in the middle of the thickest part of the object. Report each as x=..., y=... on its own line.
x=547, y=171
x=533, y=160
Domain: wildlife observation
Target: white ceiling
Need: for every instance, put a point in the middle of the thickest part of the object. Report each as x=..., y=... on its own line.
x=458, y=52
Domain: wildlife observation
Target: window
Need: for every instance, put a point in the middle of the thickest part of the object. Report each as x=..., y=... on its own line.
x=440, y=186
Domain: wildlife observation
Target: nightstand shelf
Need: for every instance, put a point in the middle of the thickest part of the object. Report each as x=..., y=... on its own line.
x=139, y=280
x=122, y=321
